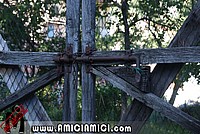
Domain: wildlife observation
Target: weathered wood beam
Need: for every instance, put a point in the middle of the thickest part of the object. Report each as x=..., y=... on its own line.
x=150, y=100
x=146, y=56
x=160, y=55
x=72, y=38
x=164, y=74
x=29, y=90
x=88, y=79
x=27, y=58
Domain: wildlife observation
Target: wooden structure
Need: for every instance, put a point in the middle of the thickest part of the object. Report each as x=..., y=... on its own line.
x=170, y=61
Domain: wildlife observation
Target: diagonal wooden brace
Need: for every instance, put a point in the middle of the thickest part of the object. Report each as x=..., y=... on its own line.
x=30, y=89
x=150, y=100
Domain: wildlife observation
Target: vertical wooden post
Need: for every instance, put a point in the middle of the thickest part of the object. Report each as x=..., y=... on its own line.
x=88, y=79
x=72, y=38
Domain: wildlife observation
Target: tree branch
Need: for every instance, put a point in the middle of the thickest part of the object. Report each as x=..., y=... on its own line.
x=116, y=4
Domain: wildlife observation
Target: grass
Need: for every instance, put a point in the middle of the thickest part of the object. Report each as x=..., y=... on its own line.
x=164, y=127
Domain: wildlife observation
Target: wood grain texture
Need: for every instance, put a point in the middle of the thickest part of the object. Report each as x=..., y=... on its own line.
x=146, y=56
x=88, y=79
x=72, y=38
x=29, y=90
x=28, y=58
x=150, y=100
x=126, y=73
x=160, y=55
x=164, y=74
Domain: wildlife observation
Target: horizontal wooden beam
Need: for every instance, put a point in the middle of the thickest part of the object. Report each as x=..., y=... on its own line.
x=146, y=56
x=150, y=100
x=160, y=55
x=27, y=58
x=30, y=89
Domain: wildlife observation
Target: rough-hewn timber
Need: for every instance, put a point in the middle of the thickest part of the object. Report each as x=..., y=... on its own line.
x=27, y=58
x=29, y=90
x=150, y=100
x=164, y=55
x=88, y=79
x=146, y=56
x=72, y=38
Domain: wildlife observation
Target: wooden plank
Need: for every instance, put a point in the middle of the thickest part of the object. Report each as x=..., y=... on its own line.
x=150, y=100
x=160, y=55
x=15, y=80
x=29, y=58
x=29, y=90
x=88, y=79
x=73, y=34
x=146, y=56
x=72, y=38
x=164, y=74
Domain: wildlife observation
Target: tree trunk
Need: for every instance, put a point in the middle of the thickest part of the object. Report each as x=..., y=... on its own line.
x=178, y=84
x=124, y=9
x=174, y=93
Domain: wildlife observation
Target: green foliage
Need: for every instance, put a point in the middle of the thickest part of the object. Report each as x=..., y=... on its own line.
x=22, y=24
x=192, y=110
x=149, y=22
x=192, y=69
x=3, y=93
x=157, y=124
x=108, y=103
x=165, y=127
x=50, y=97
